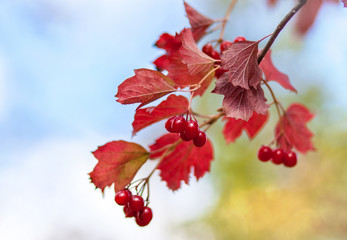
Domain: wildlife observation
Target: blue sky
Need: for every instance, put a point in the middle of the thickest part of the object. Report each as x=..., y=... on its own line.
x=60, y=64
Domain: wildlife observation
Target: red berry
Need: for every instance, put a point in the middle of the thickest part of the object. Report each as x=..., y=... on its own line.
x=184, y=136
x=136, y=203
x=214, y=54
x=290, y=159
x=144, y=217
x=128, y=212
x=123, y=197
x=200, y=140
x=207, y=49
x=168, y=124
x=264, y=153
x=191, y=129
x=239, y=39
x=278, y=156
x=178, y=124
x=225, y=45
x=219, y=72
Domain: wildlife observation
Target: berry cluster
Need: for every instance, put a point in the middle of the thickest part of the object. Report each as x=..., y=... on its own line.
x=277, y=156
x=134, y=206
x=210, y=51
x=187, y=129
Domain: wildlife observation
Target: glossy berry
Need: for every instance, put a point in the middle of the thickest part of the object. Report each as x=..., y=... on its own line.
x=123, y=197
x=225, y=45
x=264, y=153
x=168, y=124
x=144, y=217
x=136, y=203
x=207, y=49
x=128, y=212
x=215, y=55
x=191, y=129
x=278, y=156
x=290, y=159
x=178, y=124
x=239, y=39
x=200, y=139
x=219, y=72
x=184, y=136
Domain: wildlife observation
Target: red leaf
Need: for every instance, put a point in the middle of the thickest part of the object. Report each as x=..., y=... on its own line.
x=177, y=164
x=293, y=130
x=196, y=60
x=161, y=63
x=118, y=163
x=233, y=128
x=198, y=22
x=173, y=105
x=240, y=61
x=344, y=3
x=239, y=103
x=168, y=42
x=307, y=15
x=145, y=87
x=272, y=74
x=178, y=71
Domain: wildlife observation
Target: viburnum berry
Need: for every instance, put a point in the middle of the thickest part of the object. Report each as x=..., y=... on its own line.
x=168, y=124
x=144, y=217
x=128, y=212
x=219, y=72
x=225, y=45
x=136, y=203
x=207, y=49
x=278, y=156
x=191, y=129
x=290, y=159
x=200, y=139
x=239, y=39
x=123, y=197
x=215, y=55
x=178, y=124
x=264, y=153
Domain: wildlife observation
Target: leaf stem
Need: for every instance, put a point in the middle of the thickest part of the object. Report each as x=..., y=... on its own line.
x=279, y=28
x=226, y=18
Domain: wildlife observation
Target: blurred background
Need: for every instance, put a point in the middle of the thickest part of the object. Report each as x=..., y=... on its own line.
x=60, y=64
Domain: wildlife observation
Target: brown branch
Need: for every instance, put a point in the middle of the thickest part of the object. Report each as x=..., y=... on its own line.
x=279, y=28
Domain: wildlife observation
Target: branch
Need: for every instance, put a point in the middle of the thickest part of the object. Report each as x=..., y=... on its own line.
x=279, y=29
x=226, y=18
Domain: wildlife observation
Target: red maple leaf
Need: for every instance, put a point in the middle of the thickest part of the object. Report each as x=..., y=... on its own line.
x=145, y=87
x=177, y=164
x=233, y=127
x=198, y=22
x=196, y=61
x=118, y=163
x=291, y=130
x=173, y=105
x=238, y=102
x=272, y=74
x=240, y=61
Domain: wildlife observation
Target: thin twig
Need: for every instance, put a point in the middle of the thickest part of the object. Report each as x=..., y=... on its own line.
x=279, y=28
x=226, y=18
